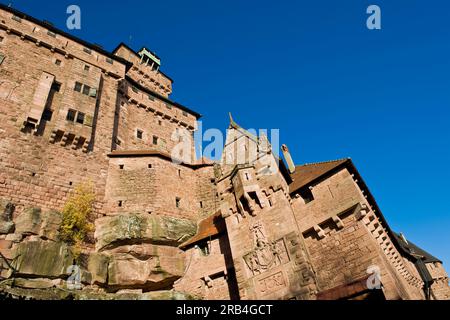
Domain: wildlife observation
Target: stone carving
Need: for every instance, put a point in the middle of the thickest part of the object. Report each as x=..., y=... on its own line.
x=271, y=283
x=266, y=255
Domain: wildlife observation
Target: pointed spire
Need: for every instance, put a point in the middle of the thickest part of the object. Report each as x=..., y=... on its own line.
x=232, y=123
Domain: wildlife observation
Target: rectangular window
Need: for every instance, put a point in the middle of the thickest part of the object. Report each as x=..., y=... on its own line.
x=155, y=140
x=87, y=50
x=58, y=62
x=71, y=115
x=56, y=86
x=178, y=202
x=151, y=98
x=80, y=117
x=86, y=90
x=185, y=113
x=139, y=134
x=51, y=34
x=109, y=60
x=86, y=67
x=307, y=195
x=1, y=39
x=2, y=58
x=135, y=89
x=168, y=106
x=16, y=18
x=93, y=92
x=78, y=87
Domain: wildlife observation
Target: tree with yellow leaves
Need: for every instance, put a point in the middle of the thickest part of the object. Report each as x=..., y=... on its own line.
x=75, y=216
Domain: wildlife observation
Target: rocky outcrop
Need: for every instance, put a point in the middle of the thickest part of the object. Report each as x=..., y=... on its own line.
x=13, y=289
x=135, y=228
x=136, y=257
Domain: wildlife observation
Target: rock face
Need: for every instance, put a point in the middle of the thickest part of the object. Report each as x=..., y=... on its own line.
x=33, y=221
x=135, y=228
x=136, y=256
x=42, y=258
x=6, y=212
x=146, y=266
x=98, y=268
x=6, y=227
x=143, y=250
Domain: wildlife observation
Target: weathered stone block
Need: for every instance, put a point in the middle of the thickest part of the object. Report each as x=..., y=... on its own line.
x=135, y=228
x=29, y=221
x=6, y=227
x=33, y=283
x=42, y=258
x=6, y=210
x=155, y=267
x=98, y=267
x=50, y=225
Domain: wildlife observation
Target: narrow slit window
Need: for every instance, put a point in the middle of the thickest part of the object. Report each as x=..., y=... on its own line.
x=139, y=134
x=178, y=202
x=155, y=140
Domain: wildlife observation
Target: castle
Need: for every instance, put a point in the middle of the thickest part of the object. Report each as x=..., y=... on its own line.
x=250, y=226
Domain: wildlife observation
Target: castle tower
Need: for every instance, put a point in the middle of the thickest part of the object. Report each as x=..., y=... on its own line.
x=268, y=253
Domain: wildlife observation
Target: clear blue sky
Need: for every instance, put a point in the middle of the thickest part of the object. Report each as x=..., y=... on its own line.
x=312, y=69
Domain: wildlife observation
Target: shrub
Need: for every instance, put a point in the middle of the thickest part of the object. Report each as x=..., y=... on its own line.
x=75, y=216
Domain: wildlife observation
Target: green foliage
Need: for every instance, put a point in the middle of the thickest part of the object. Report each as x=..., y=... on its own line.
x=75, y=216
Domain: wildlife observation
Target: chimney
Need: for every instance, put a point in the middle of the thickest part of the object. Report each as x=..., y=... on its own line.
x=403, y=237
x=288, y=158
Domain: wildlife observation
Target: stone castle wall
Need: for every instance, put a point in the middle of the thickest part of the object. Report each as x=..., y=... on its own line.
x=71, y=112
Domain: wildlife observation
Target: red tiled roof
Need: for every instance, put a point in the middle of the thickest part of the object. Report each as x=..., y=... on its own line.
x=209, y=227
x=307, y=173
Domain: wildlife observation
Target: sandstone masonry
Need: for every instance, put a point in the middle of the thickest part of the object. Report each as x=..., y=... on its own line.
x=246, y=227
